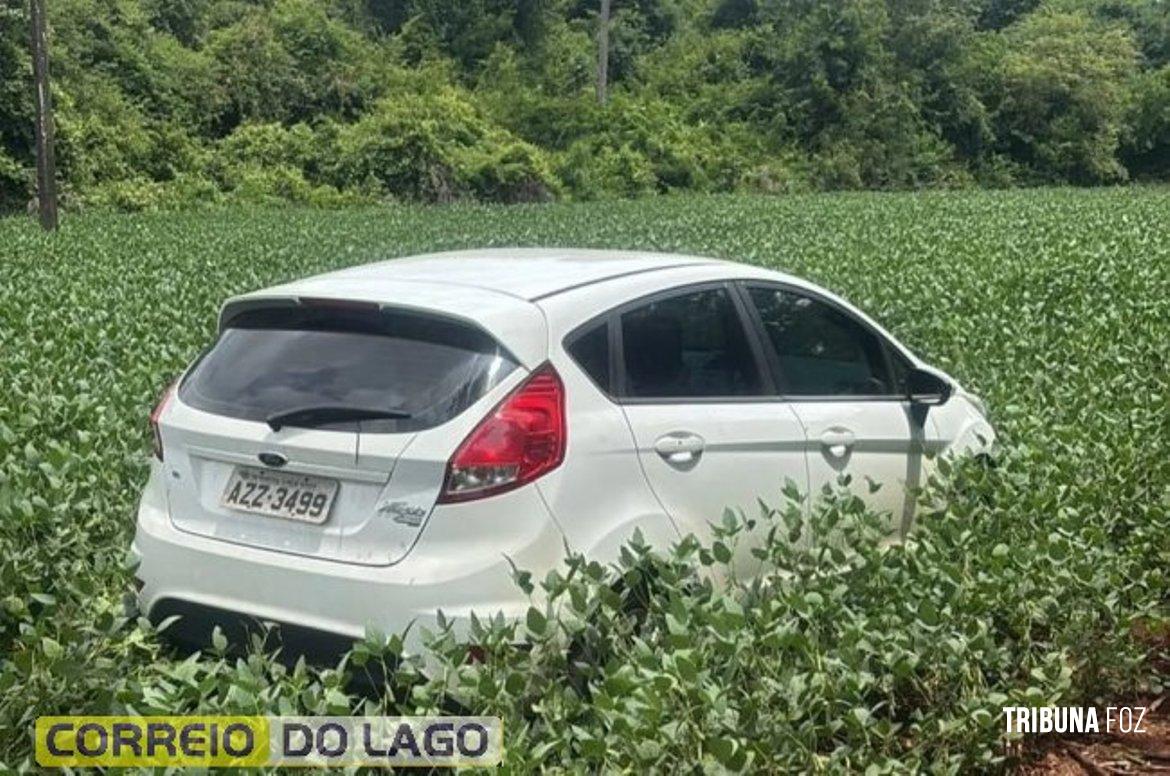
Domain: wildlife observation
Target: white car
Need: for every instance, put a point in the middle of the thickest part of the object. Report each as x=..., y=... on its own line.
x=366, y=447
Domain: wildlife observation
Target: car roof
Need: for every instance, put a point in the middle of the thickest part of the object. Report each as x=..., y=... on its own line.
x=526, y=273
x=520, y=295
x=495, y=288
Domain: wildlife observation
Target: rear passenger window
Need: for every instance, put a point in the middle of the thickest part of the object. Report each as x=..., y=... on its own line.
x=821, y=350
x=688, y=346
x=591, y=352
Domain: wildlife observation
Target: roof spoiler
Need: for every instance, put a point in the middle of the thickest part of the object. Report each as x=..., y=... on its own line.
x=239, y=305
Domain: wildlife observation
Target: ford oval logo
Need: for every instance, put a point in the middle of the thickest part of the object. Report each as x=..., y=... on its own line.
x=275, y=460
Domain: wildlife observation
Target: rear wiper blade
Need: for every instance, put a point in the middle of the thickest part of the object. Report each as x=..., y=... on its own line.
x=319, y=414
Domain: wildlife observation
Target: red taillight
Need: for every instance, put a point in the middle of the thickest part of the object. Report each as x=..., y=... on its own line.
x=523, y=438
x=155, y=414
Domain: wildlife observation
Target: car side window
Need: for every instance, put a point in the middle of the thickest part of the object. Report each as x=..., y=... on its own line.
x=692, y=345
x=821, y=351
x=901, y=369
x=590, y=350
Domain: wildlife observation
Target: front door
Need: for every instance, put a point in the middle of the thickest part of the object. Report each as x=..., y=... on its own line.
x=875, y=443
x=847, y=386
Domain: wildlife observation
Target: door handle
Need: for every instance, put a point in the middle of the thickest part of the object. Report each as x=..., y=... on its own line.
x=679, y=447
x=838, y=441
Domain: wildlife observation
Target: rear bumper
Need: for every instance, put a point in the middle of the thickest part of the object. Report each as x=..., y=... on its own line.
x=459, y=565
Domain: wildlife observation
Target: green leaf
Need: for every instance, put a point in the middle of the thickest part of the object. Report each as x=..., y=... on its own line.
x=537, y=622
x=51, y=648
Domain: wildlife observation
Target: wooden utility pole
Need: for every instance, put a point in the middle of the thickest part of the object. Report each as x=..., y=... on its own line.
x=603, y=51
x=46, y=160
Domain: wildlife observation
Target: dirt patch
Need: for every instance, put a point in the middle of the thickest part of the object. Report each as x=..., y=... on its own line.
x=1107, y=753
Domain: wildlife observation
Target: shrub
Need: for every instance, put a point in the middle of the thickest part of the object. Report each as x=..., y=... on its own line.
x=15, y=182
x=275, y=184
x=597, y=171
x=788, y=175
x=290, y=61
x=1057, y=92
x=436, y=147
x=137, y=194
x=267, y=145
x=1147, y=141
x=630, y=147
x=103, y=140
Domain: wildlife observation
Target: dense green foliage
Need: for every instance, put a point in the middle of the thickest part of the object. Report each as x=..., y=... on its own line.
x=1032, y=583
x=165, y=104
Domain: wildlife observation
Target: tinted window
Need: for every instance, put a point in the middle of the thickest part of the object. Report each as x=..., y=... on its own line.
x=591, y=352
x=278, y=359
x=900, y=368
x=692, y=345
x=821, y=350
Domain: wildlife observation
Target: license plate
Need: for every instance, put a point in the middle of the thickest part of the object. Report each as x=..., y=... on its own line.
x=279, y=494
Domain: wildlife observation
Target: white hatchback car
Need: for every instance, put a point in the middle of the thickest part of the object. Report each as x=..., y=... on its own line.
x=366, y=447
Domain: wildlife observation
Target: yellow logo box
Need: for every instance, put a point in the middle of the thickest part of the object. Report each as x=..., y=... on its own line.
x=162, y=741
x=250, y=741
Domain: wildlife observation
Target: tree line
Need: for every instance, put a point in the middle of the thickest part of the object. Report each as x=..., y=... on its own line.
x=172, y=103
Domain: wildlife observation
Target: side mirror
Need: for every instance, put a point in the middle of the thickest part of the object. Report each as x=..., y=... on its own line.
x=928, y=389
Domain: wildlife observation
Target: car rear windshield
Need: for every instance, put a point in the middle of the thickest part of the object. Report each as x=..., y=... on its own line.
x=272, y=360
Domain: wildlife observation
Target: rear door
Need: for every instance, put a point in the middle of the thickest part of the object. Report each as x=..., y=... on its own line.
x=846, y=383
x=346, y=490
x=710, y=432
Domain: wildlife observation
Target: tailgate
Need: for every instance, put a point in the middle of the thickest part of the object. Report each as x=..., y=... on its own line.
x=357, y=491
